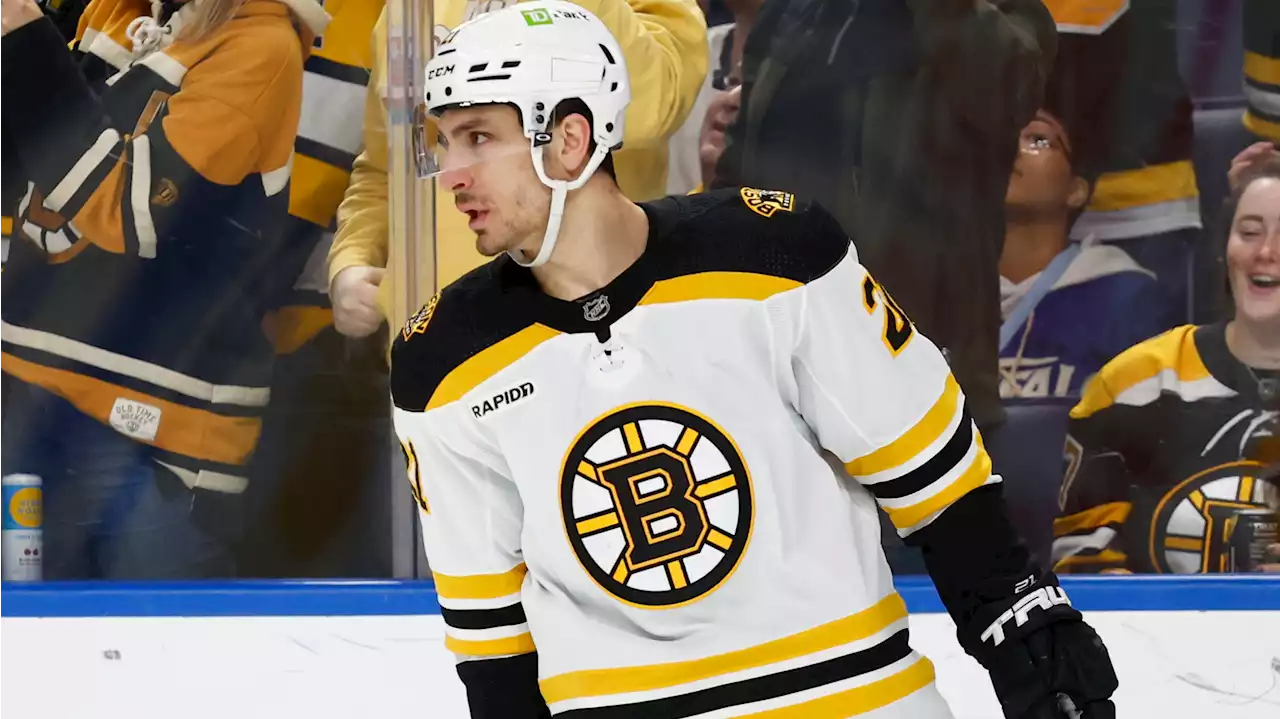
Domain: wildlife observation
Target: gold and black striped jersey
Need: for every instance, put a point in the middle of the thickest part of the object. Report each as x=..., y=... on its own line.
x=650, y=485
x=1158, y=458
x=329, y=138
x=1117, y=71
x=1262, y=67
x=1116, y=78
x=154, y=194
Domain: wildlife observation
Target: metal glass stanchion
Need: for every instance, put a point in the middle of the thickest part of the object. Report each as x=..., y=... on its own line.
x=412, y=266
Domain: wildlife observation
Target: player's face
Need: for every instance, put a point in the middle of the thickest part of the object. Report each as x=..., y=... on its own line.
x=1253, y=252
x=1042, y=180
x=485, y=161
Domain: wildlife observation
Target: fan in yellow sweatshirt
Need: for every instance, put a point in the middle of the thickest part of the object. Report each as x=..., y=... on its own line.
x=665, y=45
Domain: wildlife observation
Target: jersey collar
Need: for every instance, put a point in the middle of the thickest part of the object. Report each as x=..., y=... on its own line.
x=1211, y=344
x=596, y=311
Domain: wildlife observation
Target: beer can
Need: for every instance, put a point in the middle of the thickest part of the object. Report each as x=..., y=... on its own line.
x=1249, y=533
x=23, y=534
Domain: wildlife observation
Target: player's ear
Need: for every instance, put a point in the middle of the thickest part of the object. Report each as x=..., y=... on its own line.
x=572, y=145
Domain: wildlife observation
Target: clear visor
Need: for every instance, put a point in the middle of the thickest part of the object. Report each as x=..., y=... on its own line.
x=434, y=157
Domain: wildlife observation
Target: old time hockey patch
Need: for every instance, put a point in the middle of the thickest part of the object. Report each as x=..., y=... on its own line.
x=767, y=203
x=657, y=504
x=135, y=419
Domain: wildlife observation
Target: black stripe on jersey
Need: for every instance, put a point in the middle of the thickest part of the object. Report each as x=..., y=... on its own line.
x=1092, y=553
x=939, y=464
x=484, y=618
x=128, y=227
x=324, y=153
x=93, y=181
x=195, y=465
x=1268, y=116
x=758, y=689
x=337, y=71
x=1262, y=86
x=53, y=361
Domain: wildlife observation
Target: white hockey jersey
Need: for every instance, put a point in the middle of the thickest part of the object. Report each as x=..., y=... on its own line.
x=645, y=484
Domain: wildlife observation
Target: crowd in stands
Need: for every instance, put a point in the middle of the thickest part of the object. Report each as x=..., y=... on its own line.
x=1078, y=200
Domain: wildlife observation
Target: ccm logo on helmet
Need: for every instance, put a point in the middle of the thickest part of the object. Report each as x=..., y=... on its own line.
x=1045, y=598
x=440, y=72
x=502, y=399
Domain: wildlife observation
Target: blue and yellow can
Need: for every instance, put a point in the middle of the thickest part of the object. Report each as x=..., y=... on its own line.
x=23, y=528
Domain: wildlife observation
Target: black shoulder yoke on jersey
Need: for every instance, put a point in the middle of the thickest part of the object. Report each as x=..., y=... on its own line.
x=736, y=230
x=470, y=315
x=764, y=232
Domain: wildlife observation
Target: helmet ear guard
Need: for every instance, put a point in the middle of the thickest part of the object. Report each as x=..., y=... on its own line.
x=534, y=56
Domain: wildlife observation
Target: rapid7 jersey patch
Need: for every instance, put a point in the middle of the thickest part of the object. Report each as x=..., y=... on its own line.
x=657, y=504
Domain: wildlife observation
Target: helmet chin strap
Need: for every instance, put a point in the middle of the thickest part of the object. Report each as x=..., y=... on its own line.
x=559, y=193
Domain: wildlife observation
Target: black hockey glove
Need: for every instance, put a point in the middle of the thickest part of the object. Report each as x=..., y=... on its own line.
x=1044, y=661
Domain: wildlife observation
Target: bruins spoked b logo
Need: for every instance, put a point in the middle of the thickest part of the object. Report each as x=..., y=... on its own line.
x=1188, y=533
x=657, y=504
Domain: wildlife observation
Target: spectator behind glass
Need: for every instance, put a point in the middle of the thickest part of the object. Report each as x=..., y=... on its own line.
x=721, y=113
x=1161, y=444
x=134, y=291
x=902, y=117
x=665, y=46
x=318, y=494
x=1060, y=301
x=686, y=172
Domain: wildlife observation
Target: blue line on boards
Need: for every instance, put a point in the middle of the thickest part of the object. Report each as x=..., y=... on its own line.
x=218, y=599
x=402, y=598
x=1153, y=593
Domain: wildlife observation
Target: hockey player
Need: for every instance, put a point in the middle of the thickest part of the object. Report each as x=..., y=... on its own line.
x=628, y=435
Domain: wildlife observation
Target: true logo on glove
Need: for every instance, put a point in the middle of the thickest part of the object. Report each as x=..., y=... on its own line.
x=1045, y=598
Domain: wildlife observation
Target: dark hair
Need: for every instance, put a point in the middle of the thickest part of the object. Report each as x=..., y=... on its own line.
x=1266, y=169
x=575, y=106
x=1079, y=153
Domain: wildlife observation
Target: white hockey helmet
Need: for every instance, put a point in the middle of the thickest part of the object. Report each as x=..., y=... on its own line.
x=534, y=55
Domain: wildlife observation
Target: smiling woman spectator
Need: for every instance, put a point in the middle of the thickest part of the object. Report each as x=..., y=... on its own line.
x=1160, y=445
